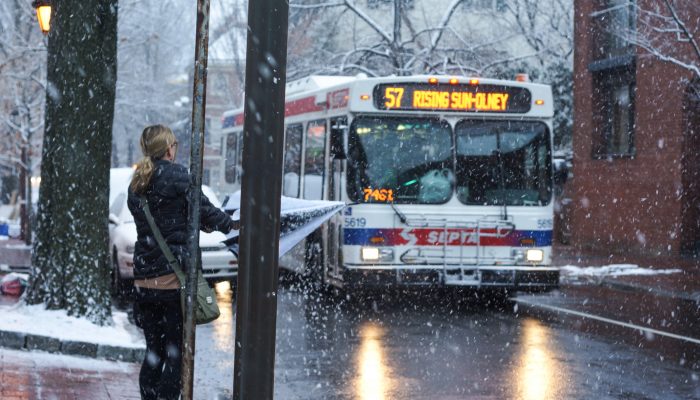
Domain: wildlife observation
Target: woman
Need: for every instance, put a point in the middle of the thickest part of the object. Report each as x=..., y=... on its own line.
x=157, y=309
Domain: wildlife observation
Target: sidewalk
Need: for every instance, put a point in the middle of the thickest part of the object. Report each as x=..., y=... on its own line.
x=33, y=328
x=684, y=285
x=657, y=309
x=37, y=375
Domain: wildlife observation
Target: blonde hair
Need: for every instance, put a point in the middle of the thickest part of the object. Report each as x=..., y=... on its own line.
x=155, y=141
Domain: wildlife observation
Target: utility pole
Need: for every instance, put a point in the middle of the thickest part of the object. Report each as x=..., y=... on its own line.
x=194, y=196
x=263, y=137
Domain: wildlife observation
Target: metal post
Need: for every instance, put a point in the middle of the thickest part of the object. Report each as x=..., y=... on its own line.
x=29, y=212
x=23, y=174
x=256, y=307
x=194, y=197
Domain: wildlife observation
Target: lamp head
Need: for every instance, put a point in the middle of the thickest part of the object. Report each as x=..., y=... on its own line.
x=43, y=14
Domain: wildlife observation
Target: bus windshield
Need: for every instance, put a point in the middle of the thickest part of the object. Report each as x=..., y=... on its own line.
x=414, y=161
x=400, y=160
x=503, y=162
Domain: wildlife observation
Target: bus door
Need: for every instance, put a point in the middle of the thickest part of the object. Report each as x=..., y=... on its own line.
x=339, y=127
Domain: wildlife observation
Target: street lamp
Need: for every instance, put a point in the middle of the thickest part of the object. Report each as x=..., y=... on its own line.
x=43, y=14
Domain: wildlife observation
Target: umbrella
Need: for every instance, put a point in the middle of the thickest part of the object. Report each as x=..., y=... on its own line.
x=298, y=218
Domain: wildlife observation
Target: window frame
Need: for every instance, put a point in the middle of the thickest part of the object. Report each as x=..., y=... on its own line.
x=607, y=45
x=606, y=83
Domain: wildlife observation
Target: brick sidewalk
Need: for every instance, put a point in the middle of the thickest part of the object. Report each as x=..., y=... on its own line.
x=36, y=376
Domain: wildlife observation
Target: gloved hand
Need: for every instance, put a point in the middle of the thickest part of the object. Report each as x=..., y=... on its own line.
x=235, y=224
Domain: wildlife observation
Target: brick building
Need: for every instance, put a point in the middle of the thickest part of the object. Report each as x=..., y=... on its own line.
x=636, y=137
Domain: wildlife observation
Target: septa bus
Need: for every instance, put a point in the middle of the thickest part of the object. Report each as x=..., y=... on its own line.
x=447, y=180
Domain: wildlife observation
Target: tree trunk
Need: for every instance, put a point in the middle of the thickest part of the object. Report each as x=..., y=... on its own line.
x=71, y=255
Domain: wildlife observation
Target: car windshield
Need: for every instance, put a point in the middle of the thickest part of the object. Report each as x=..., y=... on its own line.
x=400, y=160
x=503, y=162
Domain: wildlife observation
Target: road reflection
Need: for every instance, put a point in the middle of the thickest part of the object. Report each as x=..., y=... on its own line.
x=538, y=375
x=373, y=381
x=222, y=330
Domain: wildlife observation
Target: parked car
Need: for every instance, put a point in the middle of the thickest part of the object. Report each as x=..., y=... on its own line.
x=218, y=263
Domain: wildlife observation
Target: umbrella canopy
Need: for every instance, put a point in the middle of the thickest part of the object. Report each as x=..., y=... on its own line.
x=298, y=219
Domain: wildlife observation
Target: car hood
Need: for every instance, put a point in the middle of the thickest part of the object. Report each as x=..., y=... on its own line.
x=126, y=233
x=212, y=239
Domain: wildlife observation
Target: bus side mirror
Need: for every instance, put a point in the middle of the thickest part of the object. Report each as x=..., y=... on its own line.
x=337, y=149
x=561, y=174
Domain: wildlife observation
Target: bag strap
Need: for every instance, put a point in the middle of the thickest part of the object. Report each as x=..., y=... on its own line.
x=174, y=264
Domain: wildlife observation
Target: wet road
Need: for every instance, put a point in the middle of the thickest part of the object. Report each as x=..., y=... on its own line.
x=434, y=346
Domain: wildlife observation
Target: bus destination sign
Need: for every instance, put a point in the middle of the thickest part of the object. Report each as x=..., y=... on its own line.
x=445, y=97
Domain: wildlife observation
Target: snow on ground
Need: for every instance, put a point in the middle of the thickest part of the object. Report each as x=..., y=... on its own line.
x=35, y=320
x=613, y=270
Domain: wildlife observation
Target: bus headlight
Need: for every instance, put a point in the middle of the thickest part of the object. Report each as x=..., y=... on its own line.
x=534, y=255
x=376, y=254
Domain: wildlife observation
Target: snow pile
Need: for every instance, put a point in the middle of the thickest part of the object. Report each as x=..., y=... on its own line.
x=67, y=362
x=35, y=320
x=613, y=270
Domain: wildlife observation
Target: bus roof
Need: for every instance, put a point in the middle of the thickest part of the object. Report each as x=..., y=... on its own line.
x=316, y=82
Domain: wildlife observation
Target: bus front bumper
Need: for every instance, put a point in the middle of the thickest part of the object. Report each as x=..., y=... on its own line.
x=507, y=277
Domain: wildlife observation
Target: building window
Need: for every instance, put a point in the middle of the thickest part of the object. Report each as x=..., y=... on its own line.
x=613, y=69
x=614, y=114
x=613, y=24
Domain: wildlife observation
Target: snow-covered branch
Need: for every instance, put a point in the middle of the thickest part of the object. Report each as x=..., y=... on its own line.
x=661, y=31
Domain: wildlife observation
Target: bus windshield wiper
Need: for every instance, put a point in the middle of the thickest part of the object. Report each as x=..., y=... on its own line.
x=402, y=216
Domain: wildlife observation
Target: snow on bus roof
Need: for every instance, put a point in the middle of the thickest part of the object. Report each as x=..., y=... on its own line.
x=315, y=82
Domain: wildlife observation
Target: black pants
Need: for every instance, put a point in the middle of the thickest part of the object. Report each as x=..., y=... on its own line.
x=159, y=314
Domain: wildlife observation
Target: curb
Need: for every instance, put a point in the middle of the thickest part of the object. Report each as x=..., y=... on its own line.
x=24, y=341
x=672, y=294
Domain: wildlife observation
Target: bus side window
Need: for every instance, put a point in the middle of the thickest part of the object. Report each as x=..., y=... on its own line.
x=239, y=161
x=291, y=174
x=231, y=160
x=314, y=160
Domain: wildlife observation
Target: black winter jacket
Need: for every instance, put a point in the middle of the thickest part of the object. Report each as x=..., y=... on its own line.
x=167, y=199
